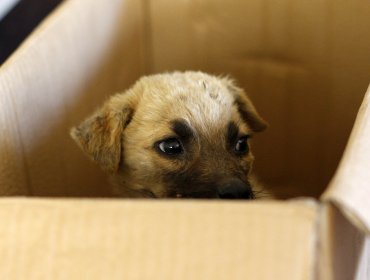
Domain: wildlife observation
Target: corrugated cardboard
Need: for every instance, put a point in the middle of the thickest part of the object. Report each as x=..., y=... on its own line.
x=79, y=239
x=306, y=78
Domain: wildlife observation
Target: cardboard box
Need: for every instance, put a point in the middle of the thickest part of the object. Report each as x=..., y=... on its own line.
x=305, y=66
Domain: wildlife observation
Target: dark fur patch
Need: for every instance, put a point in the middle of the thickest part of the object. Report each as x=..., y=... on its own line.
x=182, y=129
x=232, y=133
x=190, y=183
x=193, y=184
x=249, y=116
x=128, y=114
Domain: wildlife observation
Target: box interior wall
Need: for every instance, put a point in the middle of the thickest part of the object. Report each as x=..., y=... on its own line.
x=304, y=65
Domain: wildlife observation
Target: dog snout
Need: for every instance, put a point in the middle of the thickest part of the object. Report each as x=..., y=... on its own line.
x=235, y=189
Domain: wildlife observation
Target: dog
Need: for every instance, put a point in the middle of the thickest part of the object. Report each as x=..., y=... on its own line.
x=175, y=135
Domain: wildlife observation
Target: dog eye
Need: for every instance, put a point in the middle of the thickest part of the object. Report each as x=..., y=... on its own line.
x=171, y=146
x=241, y=146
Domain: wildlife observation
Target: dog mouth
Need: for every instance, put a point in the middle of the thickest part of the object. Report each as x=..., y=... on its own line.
x=249, y=195
x=233, y=189
x=195, y=195
x=214, y=196
x=227, y=188
x=173, y=195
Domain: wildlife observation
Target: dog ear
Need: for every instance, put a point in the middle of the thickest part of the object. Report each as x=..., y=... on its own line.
x=249, y=113
x=246, y=108
x=100, y=135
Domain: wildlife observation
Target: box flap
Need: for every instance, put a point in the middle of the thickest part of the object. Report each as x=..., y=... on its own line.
x=156, y=239
x=343, y=252
x=349, y=189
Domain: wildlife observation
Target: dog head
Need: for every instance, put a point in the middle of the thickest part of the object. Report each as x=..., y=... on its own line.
x=175, y=135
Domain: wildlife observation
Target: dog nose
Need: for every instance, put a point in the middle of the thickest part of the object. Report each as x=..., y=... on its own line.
x=235, y=189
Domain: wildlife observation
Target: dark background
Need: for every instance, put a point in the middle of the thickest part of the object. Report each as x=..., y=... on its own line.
x=20, y=21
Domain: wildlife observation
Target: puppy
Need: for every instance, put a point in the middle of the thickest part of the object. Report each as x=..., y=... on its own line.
x=175, y=135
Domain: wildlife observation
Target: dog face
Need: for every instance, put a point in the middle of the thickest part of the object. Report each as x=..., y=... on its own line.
x=175, y=135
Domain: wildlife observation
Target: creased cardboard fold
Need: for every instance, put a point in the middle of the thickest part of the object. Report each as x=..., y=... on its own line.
x=349, y=190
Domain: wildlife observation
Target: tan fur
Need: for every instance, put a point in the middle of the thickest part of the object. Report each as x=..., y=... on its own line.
x=120, y=136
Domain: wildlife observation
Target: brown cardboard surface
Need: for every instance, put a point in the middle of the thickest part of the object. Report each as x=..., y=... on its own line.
x=344, y=250
x=350, y=187
x=294, y=59
x=82, y=53
x=304, y=63
x=123, y=239
x=55, y=79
